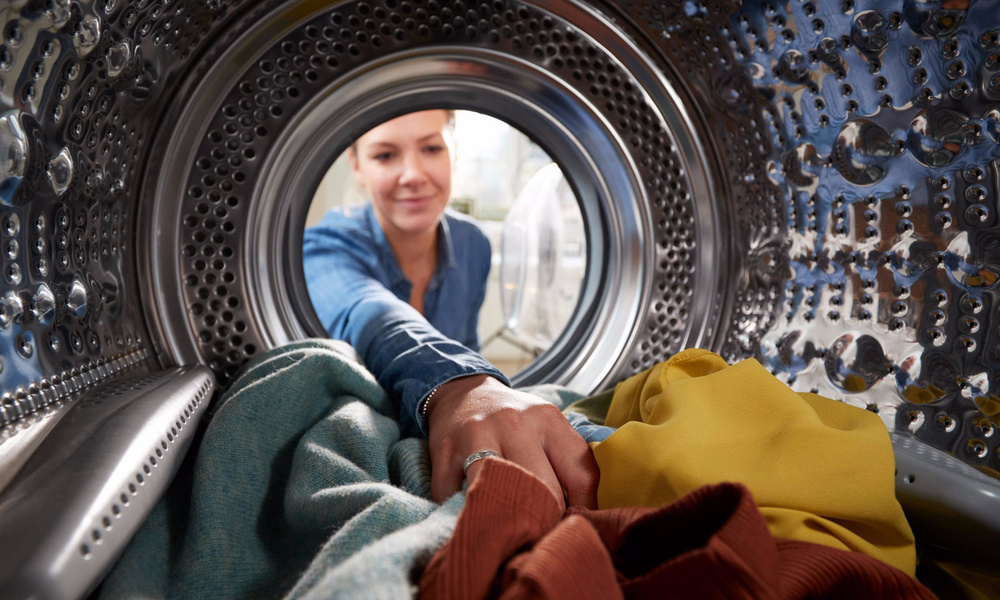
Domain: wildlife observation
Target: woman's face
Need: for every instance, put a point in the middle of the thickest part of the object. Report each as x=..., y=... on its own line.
x=405, y=167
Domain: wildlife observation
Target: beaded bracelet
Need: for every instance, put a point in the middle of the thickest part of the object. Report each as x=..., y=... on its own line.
x=422, y=409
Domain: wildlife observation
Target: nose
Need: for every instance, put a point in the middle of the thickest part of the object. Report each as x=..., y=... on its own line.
x=413, y=173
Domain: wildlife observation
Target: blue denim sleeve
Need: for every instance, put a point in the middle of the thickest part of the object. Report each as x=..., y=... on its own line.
x=591, y=432
x=407, y=355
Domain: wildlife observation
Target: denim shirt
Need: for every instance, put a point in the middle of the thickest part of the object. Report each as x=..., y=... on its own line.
x=362, y=297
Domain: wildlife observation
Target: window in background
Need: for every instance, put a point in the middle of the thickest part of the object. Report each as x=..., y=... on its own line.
x=529, y=213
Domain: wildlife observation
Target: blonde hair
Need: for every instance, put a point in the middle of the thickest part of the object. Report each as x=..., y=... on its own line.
x=449, y=112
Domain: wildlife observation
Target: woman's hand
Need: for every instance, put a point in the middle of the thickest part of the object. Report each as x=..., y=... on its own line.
x=478, y=413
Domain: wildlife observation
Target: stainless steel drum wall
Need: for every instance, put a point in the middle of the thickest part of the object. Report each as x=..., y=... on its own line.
x=79, y=97
x=281, y=100
x=886, y=124
x=810, y=183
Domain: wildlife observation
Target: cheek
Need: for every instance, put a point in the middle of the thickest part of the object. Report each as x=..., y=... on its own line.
x=386, y=185
x=381, y=182
x=442, y=175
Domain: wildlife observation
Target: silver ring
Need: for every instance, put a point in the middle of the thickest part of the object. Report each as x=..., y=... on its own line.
x=477, y=456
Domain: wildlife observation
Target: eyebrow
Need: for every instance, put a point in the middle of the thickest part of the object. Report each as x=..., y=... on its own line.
x=392, y=145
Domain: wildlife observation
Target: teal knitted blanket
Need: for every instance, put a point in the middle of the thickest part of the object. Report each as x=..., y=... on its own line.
x=300, y=488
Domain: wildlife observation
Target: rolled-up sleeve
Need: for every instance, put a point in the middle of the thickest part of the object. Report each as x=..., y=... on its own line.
x=407, y=355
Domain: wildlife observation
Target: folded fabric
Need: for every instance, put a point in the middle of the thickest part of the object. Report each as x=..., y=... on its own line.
x=594, y=408
x=299, y=487
x=821, y=471
x=302, y=488
x=513, y=541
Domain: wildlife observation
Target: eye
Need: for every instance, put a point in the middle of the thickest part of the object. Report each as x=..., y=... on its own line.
x=434, y=149
x=383, y=157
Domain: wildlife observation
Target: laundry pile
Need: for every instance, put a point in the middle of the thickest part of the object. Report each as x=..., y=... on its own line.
x=716, y=481
x=512, y=541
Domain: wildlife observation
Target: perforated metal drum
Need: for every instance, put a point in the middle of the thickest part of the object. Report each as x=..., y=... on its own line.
x=813, y=184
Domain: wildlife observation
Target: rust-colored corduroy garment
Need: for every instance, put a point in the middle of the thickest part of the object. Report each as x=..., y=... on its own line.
x=512, y=541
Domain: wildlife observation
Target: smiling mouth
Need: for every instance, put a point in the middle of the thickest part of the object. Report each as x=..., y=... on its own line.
x=415, y=200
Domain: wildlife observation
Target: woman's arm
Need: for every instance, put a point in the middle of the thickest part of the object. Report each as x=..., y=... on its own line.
x=408, y=356
x=473, y=408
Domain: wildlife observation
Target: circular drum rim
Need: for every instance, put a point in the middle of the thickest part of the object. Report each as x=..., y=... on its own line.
x=618, y=327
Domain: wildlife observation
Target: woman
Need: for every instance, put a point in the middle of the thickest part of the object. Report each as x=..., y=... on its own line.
x=433, y=258
x=402, y=280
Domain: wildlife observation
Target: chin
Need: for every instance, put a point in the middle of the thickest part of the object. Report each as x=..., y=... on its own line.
x=417, y=225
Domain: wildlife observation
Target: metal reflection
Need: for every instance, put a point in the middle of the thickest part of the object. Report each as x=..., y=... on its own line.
x=892, y=221
x=813, y=184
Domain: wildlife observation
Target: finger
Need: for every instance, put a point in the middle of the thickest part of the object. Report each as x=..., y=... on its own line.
x=533, y=458
x=446, y=472
x=474, y=468
x=574, y=465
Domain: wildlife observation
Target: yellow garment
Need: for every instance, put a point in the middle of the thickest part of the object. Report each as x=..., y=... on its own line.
x=820, y=470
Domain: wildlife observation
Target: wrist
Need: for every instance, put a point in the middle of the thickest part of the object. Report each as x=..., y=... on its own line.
x=453, y=391
x=425, y=403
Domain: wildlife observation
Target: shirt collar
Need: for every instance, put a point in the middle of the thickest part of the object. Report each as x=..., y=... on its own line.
x=446, y=250
x=385, y=255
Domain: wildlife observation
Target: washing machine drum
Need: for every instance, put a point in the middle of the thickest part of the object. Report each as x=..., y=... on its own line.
x=810, y=184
